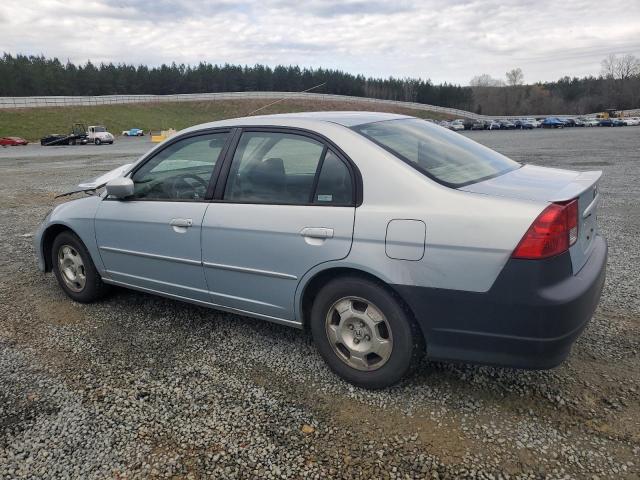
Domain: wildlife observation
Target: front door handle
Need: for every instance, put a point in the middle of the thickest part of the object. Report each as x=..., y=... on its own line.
x=317, y=232
x=181, y=222
x=180, y=225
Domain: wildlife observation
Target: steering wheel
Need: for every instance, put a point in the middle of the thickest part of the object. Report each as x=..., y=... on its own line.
x=179, y=187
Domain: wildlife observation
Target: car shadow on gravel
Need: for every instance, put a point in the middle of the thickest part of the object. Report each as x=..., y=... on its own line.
x=142, y=329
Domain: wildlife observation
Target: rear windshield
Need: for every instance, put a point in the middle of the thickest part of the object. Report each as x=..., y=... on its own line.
x=441, y=154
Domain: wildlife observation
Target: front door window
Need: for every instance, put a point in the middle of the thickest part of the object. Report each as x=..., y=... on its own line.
x=182, y=171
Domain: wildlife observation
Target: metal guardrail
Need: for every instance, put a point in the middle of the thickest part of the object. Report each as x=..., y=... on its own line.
x=66, y=101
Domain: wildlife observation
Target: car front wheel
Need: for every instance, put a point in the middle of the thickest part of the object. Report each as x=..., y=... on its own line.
x=364, y=333
x=74, y=269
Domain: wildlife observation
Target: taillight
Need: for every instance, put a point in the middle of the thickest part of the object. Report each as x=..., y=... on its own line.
x=572, y=221
x=552, y=233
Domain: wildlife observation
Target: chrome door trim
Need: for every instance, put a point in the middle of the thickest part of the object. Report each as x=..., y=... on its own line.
x=151, y=255
x=188, y=261
x=244, y=299
x=160, y=282
x=282, y=321
x=233, y=268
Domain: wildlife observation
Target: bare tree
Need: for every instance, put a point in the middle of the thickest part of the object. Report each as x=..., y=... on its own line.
x=609, y=66
x=628, y=66
x=485, y=80
x=515, y=77
x=620, y=68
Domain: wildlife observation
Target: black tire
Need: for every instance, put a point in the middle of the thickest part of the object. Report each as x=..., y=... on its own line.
x=97, y=141
x=93, y=289
x=407, y=342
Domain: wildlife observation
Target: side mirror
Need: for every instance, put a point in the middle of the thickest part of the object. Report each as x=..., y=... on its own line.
x=120, y=188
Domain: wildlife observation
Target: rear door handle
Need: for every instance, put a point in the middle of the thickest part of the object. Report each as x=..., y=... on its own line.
x=317, y=232
x=181, y=222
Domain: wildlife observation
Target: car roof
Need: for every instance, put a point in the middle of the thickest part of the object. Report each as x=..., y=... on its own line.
x=344, y=118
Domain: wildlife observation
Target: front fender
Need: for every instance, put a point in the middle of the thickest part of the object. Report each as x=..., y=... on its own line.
x=77, y=216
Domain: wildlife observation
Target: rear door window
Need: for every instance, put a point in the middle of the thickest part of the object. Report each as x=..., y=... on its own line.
x=335, y=186
x=274, y=167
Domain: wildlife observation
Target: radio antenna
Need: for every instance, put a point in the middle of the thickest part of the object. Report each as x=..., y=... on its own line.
x=285, y=98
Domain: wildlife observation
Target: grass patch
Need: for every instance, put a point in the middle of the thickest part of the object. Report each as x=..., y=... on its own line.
x=34, y=123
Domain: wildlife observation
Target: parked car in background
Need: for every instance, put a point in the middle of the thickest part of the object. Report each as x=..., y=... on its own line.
x=568, y=122
x=265, y=216
x=632, y=121
x=468, y=123
x=535, y=123
x=579, y=122
x=12, y=141
x=479, y=125
x=606, y=122
x=133, y=132
x=494, y=125
x=506, y=124
x=456, y=125
x=98, y=135
x=523, y=124
x=591, y=122
x=552, y=122
x=619, y=122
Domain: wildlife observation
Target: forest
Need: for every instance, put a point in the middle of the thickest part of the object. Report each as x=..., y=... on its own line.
x=29, y=75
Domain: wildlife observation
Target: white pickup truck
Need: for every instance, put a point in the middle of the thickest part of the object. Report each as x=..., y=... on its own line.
x=98, y=134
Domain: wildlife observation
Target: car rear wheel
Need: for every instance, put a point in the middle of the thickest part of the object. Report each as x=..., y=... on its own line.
x=97, y=141
x=364, y=333
x=74, y=269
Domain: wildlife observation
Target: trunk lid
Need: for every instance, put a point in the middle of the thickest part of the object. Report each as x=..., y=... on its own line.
x=553, y=185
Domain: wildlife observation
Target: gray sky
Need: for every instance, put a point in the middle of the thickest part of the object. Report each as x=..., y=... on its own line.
x=443, y=40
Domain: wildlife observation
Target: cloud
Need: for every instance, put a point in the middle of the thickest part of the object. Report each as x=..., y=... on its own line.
x=442, y=40
x=331, y=9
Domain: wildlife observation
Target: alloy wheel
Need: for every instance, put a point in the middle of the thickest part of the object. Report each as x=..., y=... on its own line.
x=359, y=333
x=71, y=268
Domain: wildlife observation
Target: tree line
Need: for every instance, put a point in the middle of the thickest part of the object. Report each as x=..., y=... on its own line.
x=617, y=86
x=23, y=75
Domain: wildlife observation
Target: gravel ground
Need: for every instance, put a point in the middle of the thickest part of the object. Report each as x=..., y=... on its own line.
x=138, y=386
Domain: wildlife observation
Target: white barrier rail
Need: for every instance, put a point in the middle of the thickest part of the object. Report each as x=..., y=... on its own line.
x=66, y=101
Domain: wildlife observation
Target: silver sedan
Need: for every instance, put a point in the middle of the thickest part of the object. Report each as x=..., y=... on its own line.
x=385, y=235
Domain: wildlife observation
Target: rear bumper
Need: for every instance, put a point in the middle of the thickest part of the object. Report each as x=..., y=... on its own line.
x=530, y=317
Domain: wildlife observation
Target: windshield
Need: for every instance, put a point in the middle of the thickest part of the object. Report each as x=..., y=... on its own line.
x=441, y=154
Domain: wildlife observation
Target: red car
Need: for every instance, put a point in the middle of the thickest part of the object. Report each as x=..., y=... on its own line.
x=6, y=141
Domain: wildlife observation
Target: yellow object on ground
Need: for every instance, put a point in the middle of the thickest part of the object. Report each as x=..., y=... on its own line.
x=163, y=135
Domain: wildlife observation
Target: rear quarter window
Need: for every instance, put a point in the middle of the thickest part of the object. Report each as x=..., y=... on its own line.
x=447, y=157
